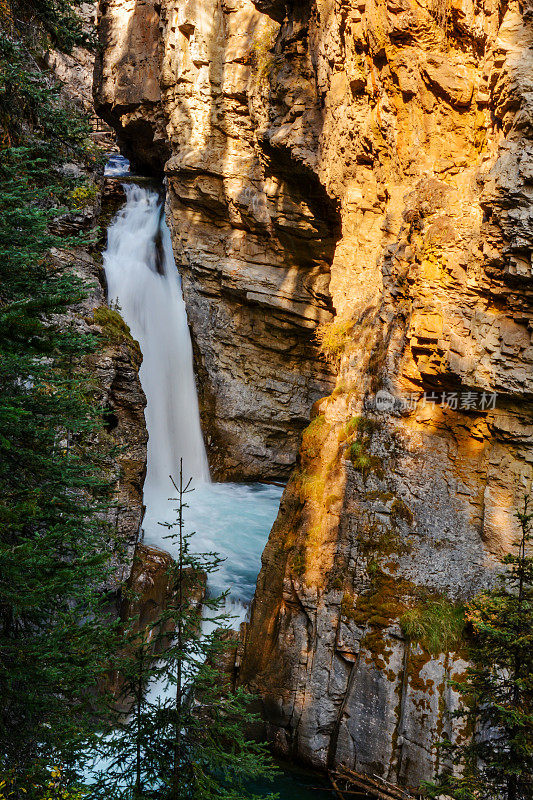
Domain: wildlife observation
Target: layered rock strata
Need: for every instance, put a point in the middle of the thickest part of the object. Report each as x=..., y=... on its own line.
x=410, y=474
x=372, y=159
x=254, y=235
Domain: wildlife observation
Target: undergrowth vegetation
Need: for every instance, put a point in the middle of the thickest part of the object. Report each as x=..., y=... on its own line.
x=333, y=338
x=115, y=330
x=262, y=51
x=357, y=434
x=54, y=485
x=436, y=624
x=83, y=196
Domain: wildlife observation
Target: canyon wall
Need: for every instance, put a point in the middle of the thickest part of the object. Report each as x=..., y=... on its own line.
x=254, y=234
x=116, y=362
x=117, y=389
x=75, y=70
x=365, y=165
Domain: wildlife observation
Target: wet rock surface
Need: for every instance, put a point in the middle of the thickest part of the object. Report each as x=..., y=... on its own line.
x=117, y=391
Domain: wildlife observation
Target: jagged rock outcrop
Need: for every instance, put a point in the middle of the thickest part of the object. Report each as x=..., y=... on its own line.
x=374, y=159
x=254, y=236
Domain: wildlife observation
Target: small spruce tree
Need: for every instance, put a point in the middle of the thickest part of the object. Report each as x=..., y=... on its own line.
x=187, y=739
x=496, y=762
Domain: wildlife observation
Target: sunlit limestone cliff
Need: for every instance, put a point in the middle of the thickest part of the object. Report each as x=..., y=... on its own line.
x=366, y=167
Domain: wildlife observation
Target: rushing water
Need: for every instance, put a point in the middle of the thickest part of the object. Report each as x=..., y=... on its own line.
x=231, y=519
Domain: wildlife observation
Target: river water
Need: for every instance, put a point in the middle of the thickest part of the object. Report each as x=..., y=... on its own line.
x=231, y=519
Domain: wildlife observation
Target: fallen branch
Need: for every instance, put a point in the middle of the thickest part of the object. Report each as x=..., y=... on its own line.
x=376, y=787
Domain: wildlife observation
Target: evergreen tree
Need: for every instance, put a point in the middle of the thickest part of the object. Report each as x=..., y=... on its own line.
x=497, y=761
x=54, y=490
x=59, y=19
x=186, y=739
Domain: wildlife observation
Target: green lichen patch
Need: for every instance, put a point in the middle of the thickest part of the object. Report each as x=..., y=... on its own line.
x=337, y=575
x=378, y=541
x=359, y=426
x=385, y=602
x=384, y=497
x=312, y=488
x=377, y=609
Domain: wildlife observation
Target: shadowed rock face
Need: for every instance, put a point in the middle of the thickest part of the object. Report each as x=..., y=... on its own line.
x=373, y=160
x=117, y=389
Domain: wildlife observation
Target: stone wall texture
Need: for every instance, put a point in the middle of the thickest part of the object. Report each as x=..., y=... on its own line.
x=117, y=389
x=254, y=235
x=75, y=70
x=365, y=166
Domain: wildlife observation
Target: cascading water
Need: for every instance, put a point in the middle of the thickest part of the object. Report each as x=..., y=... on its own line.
x=142, y=278
x=230, y=519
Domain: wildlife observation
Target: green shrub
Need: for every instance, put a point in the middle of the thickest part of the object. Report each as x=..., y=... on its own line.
x=363, y=460
x=83, y=196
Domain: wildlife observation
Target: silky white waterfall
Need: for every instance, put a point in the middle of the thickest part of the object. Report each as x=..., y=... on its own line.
x=231, y=519
x=142, y=278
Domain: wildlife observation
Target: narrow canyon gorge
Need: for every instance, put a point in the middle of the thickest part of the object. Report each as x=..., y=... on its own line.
x=349, y=189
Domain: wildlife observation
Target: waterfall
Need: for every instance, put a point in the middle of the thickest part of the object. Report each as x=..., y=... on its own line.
x=230, y=519
x=142, y=278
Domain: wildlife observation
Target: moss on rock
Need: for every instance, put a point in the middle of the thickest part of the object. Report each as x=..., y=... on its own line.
x=115, y=330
